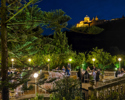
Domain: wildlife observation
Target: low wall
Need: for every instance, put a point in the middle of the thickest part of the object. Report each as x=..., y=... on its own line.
x=72, y=72
x=107, y=74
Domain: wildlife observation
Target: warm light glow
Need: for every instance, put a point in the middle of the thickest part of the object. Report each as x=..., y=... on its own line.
x=12, y=59
x=83, y=23
x=70, y=59
x=48, y=59
x=119, y=59
x=35, y=75
x=86, y=21
x=29, y=60
x=115, y=68
x=93, y=59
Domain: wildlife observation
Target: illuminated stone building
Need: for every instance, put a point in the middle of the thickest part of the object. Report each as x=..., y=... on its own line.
x=88, y=22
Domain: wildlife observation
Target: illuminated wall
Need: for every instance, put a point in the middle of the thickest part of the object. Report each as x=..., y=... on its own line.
x=87, y=21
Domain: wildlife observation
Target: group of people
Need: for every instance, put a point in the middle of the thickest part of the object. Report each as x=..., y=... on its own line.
x=119, y=72
x=94, y=73
x=66, y=70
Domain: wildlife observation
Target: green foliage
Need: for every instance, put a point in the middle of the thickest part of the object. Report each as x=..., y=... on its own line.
x=60, y=43
x=102, y=59
x=79, y=29
x=68, y=88
x=87, y=30
x=117, y=65
x=38, y=97
x=27, y=88
x=94, y=30
x=56, y=20
x=52, y=97
x=112, y=96
x=80, y=60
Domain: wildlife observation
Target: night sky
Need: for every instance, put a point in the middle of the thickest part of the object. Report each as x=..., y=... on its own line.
x=78, y=9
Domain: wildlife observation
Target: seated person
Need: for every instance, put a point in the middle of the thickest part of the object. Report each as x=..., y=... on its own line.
x=94, y=68
x=97, y=77
x=122, y=71
x=86, y=74
x=117, y=72
x=63, y=68
x=79, y=73
x=57, y=68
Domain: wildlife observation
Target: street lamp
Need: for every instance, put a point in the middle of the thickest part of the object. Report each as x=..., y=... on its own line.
x=70, y=65
x=119, y=59
x=35, y=76
x=29, y=60
x=12, y=62
x=70, y=59
x=93, y=59
x=48, y=64
x=48, y=59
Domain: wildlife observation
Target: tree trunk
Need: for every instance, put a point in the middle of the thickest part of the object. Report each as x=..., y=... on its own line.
x=4, y=58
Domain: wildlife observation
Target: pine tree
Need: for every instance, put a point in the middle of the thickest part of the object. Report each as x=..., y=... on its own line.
x=22, y=38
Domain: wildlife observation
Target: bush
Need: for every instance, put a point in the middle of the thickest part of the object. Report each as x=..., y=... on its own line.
x=112, y=96
x=67, y=88
x=38, y=97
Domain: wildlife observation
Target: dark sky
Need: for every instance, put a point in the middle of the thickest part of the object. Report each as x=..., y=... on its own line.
x=78, y=9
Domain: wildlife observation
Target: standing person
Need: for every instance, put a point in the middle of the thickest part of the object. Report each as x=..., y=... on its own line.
x=9, y=72
x=69, y=65
x=117, y=72
x=122, y=71
x=94, y=68
x=94, y=74
x=68, y=71
x=97, y=77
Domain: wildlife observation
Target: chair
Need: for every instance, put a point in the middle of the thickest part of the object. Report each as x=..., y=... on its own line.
x=86, y=77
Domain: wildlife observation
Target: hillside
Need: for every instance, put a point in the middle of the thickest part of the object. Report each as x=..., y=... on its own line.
x=111, y=39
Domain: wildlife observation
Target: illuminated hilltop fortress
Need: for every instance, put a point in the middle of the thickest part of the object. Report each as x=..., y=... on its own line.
x=88, y=22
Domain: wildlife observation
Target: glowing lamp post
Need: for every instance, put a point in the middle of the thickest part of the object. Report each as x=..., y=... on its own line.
x=12, y=62
x=48, y=64
x=70, y=65
x=29, y=60
x=119, y=59
x=35, y=76
x=70, y=59
x=93, y=59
